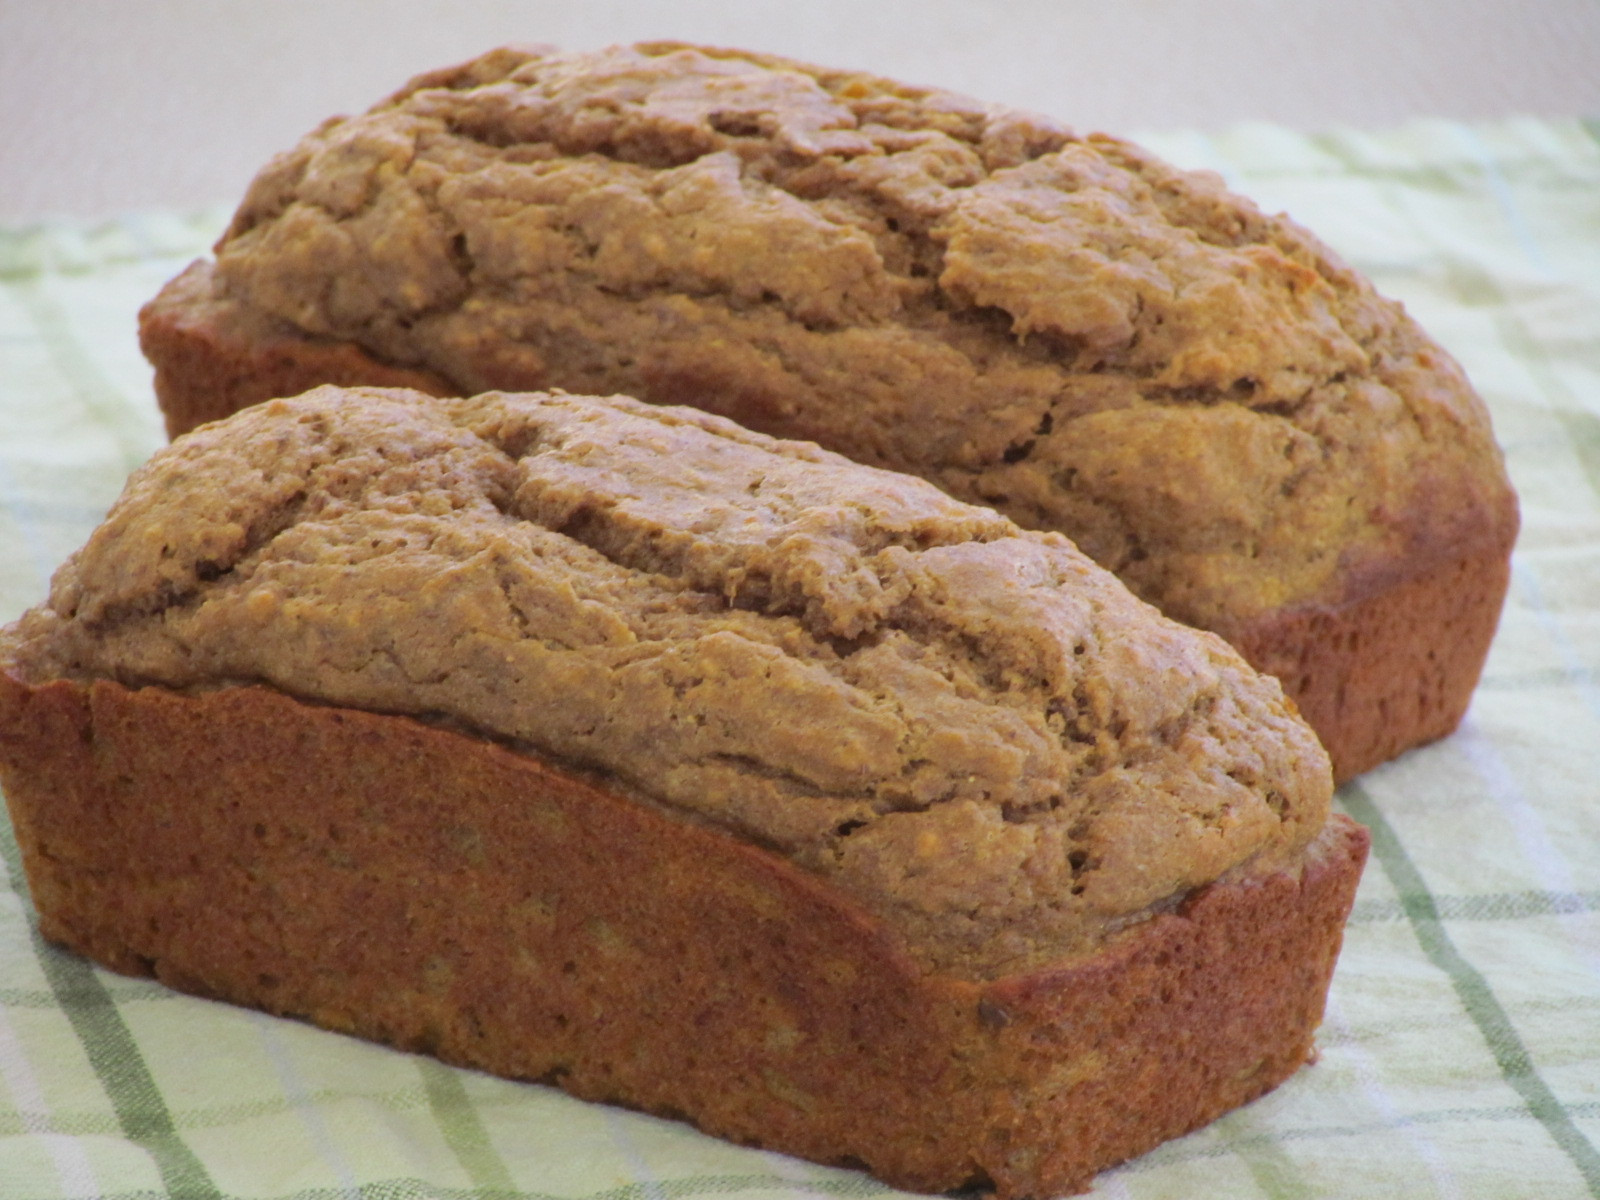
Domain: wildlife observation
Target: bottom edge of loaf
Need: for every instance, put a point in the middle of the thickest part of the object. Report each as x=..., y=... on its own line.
x=382, y=877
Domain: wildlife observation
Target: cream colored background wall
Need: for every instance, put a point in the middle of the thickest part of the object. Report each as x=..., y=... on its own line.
x=115, y=104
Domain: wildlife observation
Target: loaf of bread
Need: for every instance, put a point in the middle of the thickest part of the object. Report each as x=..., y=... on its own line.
x=1201, y=396
x=620, y=747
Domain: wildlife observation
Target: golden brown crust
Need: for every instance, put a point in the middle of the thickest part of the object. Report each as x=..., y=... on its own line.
x=1063, y=327
x=211, y=360
x=1150, y=474
x=441, y=893
x=971, y=729
x=1390, y=667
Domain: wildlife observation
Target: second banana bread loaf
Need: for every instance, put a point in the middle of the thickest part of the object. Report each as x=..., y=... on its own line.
x=1202, y=396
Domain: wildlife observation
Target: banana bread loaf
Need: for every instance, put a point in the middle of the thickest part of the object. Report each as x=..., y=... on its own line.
x=617, y=746
x=1201, y=396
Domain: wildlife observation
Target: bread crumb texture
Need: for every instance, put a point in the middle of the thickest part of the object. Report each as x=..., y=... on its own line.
x=971, y=728
x=1202, y=396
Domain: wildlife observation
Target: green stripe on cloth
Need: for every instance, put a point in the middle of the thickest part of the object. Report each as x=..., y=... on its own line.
x=1271, y=1168
x=1475, y=992
x=112, y=1051
x=103, y=400
x=723, y=1185
x=463, y=1130
x=707, y=1185
x=110, y=1047
x=1496, y=906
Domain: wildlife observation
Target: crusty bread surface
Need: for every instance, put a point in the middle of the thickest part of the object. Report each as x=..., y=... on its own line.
x=1202, y=396
x=620, y=747
x=386, y=878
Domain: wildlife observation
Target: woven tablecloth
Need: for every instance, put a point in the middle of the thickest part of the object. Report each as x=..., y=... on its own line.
x=1461, y=1050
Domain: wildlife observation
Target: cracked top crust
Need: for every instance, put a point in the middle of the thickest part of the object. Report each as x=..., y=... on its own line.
x=971, y=728
x=1202, y=396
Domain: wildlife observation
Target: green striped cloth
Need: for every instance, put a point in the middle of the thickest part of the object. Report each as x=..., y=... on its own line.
x=1461, y=1051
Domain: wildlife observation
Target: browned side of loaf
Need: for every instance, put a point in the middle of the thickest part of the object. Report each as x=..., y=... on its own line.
x=210, y=362
x=1390, y=668
x=386, y=878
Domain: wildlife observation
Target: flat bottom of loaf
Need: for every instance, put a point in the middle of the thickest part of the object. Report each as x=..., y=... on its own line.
x=382, y=877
